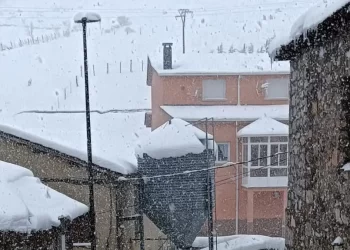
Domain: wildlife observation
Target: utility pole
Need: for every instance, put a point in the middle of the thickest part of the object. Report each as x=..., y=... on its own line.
x=210, y=191
x=183, y=14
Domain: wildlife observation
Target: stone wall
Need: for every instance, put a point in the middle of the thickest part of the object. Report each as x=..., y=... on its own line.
x=318, y=207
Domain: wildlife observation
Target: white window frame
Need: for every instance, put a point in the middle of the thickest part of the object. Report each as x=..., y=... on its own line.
x=217, y=82
x=269, y=84
x=248, y=168
x=228, y=152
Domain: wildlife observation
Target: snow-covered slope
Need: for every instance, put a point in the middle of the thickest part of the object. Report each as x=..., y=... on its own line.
x=47, y=76
x=28, y=205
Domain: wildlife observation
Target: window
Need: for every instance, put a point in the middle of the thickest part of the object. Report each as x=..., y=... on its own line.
x=214, y=89
x=257, y=152
x=277, y=88
x=223, y=152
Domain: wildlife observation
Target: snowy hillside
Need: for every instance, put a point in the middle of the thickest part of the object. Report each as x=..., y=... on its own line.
x=140, y=25
x=41, y=61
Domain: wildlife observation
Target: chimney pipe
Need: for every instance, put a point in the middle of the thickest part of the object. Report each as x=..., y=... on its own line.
x=167, y=56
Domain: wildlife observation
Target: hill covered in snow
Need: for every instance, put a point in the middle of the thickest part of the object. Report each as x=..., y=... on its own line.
x=41, y=61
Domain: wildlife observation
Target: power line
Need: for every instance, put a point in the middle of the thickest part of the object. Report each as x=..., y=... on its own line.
x=199, y=170
x=153, y=14
x=143, y=10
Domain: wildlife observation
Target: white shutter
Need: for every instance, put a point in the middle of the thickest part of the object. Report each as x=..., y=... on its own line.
x=214, y=89
x=277, y=89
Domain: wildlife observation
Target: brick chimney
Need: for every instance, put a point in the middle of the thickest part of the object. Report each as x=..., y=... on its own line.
x=167, y=56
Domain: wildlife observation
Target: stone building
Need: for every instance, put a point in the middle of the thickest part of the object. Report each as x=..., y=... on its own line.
x=318, y=47
x=68, y=174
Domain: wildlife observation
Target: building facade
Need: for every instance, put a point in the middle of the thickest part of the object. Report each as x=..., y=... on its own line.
x=233, y=92
x=69, y=175
x=318, y=201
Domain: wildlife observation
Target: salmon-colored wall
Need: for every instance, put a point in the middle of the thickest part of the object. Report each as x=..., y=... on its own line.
x=187, y=90
x=253, y=94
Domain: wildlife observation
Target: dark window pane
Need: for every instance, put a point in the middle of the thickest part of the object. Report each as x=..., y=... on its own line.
x=263, y=155
x=278, y=172
x=245, y=139
x=254, y=155
x=274, y=158
x=259, y=139
x=223, y=152
x=279, y=139
x=283, y=157
x=260, y=172
x=245, y=155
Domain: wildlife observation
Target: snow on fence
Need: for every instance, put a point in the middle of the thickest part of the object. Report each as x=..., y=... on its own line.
x=98, y=70
x=30, y=41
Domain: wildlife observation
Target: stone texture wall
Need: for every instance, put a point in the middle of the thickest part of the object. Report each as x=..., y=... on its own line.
x=318, y=207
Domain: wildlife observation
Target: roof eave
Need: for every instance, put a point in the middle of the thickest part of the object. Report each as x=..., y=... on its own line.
x=259, y=134
x=324, y=31
x=165, y=74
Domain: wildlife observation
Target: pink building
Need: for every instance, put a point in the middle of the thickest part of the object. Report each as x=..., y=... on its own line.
x=247, y=98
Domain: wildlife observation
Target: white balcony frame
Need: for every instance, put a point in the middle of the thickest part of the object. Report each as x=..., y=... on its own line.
x=264, y=181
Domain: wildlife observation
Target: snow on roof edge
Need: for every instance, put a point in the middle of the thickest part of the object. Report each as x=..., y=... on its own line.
x=282, y=112
x=123, y=166
x=27, y=204
x=265, y=126
x=179, y=65
x=309, y=20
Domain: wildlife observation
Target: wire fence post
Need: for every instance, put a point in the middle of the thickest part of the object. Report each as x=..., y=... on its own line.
x=107, y=68
x=130, y=65
x=120, y=67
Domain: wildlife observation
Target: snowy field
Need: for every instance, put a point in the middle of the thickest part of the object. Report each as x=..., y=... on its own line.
x=47, y=75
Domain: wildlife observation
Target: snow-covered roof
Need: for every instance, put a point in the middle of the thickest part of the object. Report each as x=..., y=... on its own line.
x=175, y=138
x=28, y=205
x=264, y=126
x=249, y=242
x=223, y=64
x=228, y=112
x=52, y=82
x=307, y=21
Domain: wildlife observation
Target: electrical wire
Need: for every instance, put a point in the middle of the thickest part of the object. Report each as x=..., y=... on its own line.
x=145, y=178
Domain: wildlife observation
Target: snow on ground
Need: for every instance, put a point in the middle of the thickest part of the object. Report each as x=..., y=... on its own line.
x=264, y=126
x=228, y=112
x=47, y=76
x=251, y=242
x=309, y=20
x=175, y=138
x=28, y=205
x=232, y=63
x=202, y=242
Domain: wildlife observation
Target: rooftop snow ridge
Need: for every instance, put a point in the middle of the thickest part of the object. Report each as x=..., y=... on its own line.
x=307, y=21
x=263, y=127
x=28, y=205
x=175, y=138
x=225, y=64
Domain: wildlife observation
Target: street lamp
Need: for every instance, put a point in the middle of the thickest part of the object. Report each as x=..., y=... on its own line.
x=85, y=18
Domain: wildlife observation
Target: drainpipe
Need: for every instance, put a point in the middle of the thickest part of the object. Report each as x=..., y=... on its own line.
x=237, y=179
x=239, y=90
